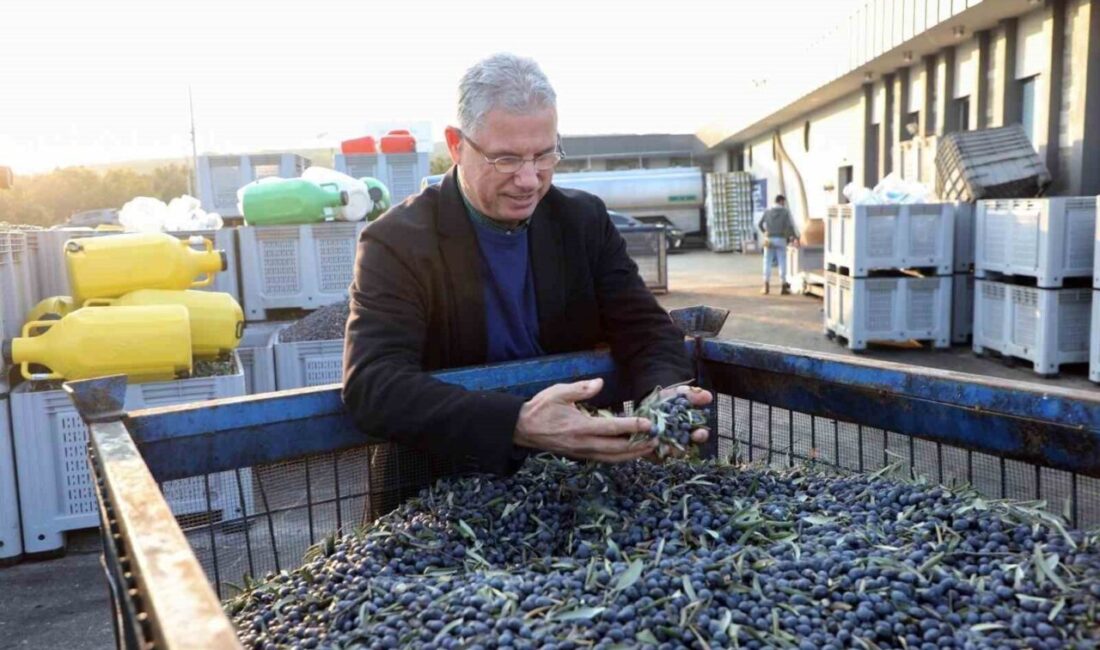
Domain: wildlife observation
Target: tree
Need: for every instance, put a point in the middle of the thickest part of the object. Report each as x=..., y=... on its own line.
x=51, y=198
x=439, y=164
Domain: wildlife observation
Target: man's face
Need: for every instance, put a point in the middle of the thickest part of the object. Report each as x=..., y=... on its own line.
x=506, y=197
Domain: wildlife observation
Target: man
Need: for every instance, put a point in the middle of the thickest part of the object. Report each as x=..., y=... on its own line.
x=778, y=231
x=496, y=264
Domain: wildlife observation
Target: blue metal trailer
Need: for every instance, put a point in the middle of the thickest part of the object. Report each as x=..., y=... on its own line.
x=314, y=475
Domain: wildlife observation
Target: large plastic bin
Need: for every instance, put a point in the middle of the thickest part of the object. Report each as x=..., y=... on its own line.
x=648, y=247
x=1048, y=327
x=258, y=357
x=400, y=172
x=861, y=239
x=805, y=267
x=964, y=237
x=16, y=294
x=221, y=176
x=865, y=310
x=989, y=164
x=57, y=491
x=1094, y=339
x=962, y=308
x=1050, y=240
x=11, y=538
x=308, y=363
x=296, y=267
x=775, y=406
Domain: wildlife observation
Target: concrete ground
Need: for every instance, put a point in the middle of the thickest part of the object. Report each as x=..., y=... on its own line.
x=62, y=603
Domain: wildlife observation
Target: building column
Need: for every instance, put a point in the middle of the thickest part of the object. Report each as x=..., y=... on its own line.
x=1010, y=90
x=928, y=115
x=1054, y=101
x=1090, y=77
x=947, y=120
x=886, y=149
x=982, y=87
x=870, y=150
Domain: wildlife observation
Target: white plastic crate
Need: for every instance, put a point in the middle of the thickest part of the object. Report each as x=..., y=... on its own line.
x=866, y=238
x=1094, y=339
x=221, y=176
x=1096, y=251
x=296, y=267
x=400, y=172
x=11, y=541
x=805, y=267
x=55, y=484
x=864, y=310
x=964, y=237
x=1048, y=327
x=308, y=363
x=16, y=297
x=258, y=357
x=1046, y=239
x=962, y=308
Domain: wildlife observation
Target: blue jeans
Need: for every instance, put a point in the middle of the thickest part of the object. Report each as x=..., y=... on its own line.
x=776, y=251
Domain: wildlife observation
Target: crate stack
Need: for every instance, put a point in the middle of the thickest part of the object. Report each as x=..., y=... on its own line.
x=1033, y=261
x=1094, y=325
x=220, y=176
x=962, y=282
x=44, y=437
x=889, y=273
x=729, y=212
x=400, y=172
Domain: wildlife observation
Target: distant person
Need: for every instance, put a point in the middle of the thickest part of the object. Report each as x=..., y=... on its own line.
x=778, y=229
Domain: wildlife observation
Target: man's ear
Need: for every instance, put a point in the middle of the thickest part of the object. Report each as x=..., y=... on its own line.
x=454, y=142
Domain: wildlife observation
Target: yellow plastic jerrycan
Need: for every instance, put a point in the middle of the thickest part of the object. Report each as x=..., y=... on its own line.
x=149, y=343
x=109, y=267
x=51, y=308
x=217, y=321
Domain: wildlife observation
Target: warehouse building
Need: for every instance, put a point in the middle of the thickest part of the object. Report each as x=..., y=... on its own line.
x=875, y=93
x=641, y=151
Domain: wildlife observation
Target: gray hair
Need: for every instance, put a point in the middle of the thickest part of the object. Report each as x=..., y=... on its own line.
x=513, y=83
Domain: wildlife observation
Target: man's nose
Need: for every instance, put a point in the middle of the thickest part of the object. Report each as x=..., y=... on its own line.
x=527, y=177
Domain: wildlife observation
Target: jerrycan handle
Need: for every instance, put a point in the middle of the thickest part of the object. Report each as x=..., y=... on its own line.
x=207, y=279
x=25, y=367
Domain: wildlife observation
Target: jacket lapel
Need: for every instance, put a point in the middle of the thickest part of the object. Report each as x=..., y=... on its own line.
x=462, y=263
x=548, y=268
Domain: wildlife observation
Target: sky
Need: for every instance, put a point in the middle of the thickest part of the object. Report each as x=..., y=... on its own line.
x=98, y=81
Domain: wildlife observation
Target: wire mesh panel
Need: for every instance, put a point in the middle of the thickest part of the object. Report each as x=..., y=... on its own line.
x=297, y=504
x=754, y=432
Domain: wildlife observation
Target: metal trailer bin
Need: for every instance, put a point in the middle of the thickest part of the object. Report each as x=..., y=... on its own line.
x=648, y=247
x=311, y=468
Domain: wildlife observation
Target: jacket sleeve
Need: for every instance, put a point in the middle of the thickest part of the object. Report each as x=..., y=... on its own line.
x=644, y=340
x=387, y=392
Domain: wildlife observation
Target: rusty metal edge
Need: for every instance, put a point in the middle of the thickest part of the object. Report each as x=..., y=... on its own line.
x=182, y=610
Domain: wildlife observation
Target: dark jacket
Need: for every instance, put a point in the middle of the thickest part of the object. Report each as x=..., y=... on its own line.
x=777, y=222
x=417, y=305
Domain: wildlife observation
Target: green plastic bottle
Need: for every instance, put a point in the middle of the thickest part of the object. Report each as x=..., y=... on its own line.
x=379, y=194
x=290, y=201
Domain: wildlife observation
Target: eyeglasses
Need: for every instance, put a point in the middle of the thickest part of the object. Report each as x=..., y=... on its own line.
x=512, y=164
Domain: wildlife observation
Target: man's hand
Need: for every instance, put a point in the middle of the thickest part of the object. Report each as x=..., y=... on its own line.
x=550, y=421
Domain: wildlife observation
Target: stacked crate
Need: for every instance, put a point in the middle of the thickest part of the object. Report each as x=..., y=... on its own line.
x=889, y=273
x=1094, y=328
x=400, y=172
x=729, y=212
x=1033, y=261
x=962, y=283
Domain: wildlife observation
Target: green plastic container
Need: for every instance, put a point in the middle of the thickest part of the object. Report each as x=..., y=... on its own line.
x=291, y=201
x=379, y=194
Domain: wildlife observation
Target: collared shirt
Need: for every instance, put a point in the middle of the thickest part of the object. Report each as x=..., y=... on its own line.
x=480, y=219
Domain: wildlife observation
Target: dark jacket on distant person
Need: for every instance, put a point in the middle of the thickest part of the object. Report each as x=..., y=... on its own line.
x=417, y=305
x=777, y=222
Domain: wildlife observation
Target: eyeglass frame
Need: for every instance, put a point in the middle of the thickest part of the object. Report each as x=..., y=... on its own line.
x=558, y=152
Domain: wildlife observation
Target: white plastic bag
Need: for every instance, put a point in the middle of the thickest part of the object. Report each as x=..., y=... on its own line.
x=143, y=214
x=359, y=201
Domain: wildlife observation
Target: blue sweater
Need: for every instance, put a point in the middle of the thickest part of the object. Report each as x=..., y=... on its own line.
x=511, y=316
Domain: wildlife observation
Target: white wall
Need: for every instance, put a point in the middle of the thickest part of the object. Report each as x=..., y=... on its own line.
x=966, y=70
x=835, y=141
